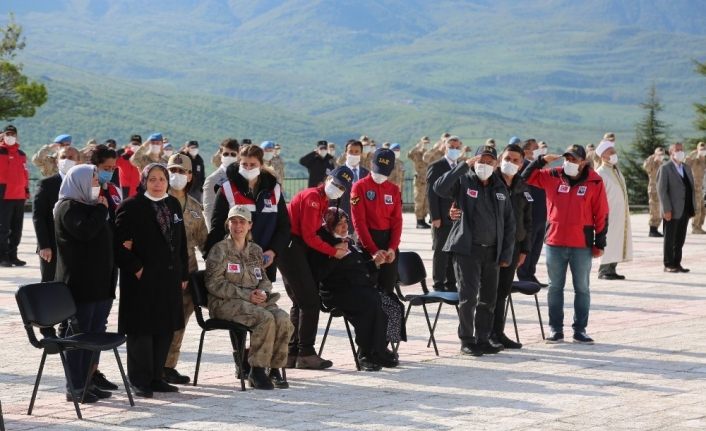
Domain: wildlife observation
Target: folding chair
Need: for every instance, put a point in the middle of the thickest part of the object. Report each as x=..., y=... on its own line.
x=238, y=332
x=44, y=305
x=335, y=312
x=411, y=271
x=525, y=288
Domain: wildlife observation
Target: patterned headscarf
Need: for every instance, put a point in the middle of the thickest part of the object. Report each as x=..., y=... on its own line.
x=332, y=216
x=77, y=185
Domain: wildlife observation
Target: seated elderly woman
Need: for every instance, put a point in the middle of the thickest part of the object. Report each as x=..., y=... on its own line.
x=348, y=284
x=238, y=290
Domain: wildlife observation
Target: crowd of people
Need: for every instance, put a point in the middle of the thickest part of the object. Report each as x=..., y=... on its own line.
x=143, y=215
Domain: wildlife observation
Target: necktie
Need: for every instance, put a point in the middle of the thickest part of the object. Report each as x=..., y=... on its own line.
x=355, y=175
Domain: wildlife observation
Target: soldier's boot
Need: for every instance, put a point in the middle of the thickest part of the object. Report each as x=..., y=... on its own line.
x=421, y=224
x=313, y=362
x=654, y=232
x=697, y=230
x=258, y=379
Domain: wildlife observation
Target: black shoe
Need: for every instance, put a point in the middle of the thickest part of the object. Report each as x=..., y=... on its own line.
x=15, y=261
x=101, y=394
x=171, y=375
x=582, y=338
x=471, y=350
x=367, y=364
x=555, y=338
x=277, y=379
x=5, y=263
x=142, y=391
x=534, y=280
x=421, y=224
x=393, y=354
x=259, y=380
x=489, y=349
x=494, y=342
x=451, y=289
x=162, y=386
x=671, y=269
x=611, y=277
x=384, y=360
x=88, y=399
x=682, y=269
x=101, y=382
x=439, y=289
x=654, y=233
x=508, y=343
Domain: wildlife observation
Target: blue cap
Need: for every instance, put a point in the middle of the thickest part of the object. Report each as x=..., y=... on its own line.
x=383, y=161
x=63, y=139
x=267, y=145
x=155, y=137
x=168, y=146
x=515, y=141
x=395, y=146
x=343, y=176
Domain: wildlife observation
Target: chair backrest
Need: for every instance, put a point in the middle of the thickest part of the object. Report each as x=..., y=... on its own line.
x=411, y=270
x=199, y=294
x=45, y=304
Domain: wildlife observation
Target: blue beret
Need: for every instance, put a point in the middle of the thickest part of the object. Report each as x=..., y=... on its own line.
x=155, y=137
x=383, y=161
x=267, y=145
x=63, y=139
x=514, y=141
x=168, y=146
x=395, y=146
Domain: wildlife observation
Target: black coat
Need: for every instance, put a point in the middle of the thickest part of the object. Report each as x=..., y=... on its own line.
x=43, y=210
x=84, y=244
x=198, y=171
x=318, y=167
x=522, y=204
x=152, y=304
x=439, y=206
x=356, y=270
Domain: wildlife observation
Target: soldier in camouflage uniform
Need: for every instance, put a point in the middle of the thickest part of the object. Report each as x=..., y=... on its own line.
x=180, y=180
x=87, y=151
x=397, y=175
x=651, y=165
x=149, y=152
x=45, y=158
x=437, y=151
x=421, y=203
x=696, y=160
x=239, y=291
x=272, y=161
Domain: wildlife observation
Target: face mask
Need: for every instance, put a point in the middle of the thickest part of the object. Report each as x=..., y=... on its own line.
x=335, y=235
x=193, y=152
x=613, y=159
x=249, y=174
x=378, y=178
x=332, y=191
x=277, y=152
x=154, y=199
x=10, y=140
x=453, y=154
x=702, y=153
x=155, y=148
x=571, y=169
x=168, y=153
x=508, y=168
x=353, y=159
x=104, y=177
x=228, y=160
x=177, y=181
x=322, y=153
x=368, y=149
x=397, y=154
x=134, y=148
x=679, y=156
x=483, y=171
x=65, y=164
x=95, y=192
x=268, y=156
x=332, y=153
x=543, y=151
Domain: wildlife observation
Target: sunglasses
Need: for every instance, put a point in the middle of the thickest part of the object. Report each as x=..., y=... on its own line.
x=229, y=154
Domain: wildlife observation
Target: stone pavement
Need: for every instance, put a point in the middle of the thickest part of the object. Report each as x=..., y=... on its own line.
x=646, y=371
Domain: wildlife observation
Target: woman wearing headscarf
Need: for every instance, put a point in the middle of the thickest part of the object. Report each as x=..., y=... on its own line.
x=84, y=244
x=151, y=253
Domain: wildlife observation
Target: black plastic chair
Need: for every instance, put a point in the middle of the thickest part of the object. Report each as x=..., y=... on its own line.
x=335, y=312
x=525, y=288
x=44, y=305
x=411, y=271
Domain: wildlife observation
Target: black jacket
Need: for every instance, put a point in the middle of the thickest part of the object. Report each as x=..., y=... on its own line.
x=458, y=184
x=439, y=206
x=152, y=304
x=345, y=202
x=84, y=244
x=198, y=171
x=43, y=210
x=539, y=204
x=318, y=167
x=356, y=270
x=522, y=203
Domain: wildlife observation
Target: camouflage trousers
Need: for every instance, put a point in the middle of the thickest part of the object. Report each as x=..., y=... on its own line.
x=698, y=220
x=655, y=216
x=175, y=348
x=421, y=203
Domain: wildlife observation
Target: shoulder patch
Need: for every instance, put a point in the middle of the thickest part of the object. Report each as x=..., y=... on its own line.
x=355, y=200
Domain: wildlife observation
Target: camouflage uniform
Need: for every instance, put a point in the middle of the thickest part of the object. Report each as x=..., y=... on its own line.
x=141, y=157
x=231, y=276
x=45, y=160
x=277, y=166
x=436, y=152
x=651, y=166
x=698, y=167
x=216, y=159
x=397, y=175
x=421, y=202
x=196, y=234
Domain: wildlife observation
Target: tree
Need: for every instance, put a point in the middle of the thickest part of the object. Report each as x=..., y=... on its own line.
x=700, y=122
x=19, y=97
x=650, y=133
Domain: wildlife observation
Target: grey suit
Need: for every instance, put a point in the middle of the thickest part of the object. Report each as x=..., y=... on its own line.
x=676, y=195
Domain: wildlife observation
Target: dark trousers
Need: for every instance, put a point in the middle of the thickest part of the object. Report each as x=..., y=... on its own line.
x=674, y=237
x=442, y=262
x=529, y=268
x=303, y=290
x=48, y=269
x=146, y=354
x=91, y=317
x=11, y=219
x=478, y=286
x=363, y=308
x=387, y=275
x=505, y=278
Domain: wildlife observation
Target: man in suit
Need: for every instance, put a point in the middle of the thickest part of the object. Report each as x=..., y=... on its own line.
x=353, y=154
x=319, y=163
x=442, y=267
x=675, y=185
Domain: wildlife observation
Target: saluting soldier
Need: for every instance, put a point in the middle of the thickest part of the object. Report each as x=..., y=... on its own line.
x=696, y=160
x=651, y=165
x=421, y=203
x=45, y=158
x=149, y=152
x=397, y=175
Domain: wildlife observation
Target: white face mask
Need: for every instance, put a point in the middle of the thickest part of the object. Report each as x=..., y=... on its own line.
x=543, y=151
x=702, y=153
x=368, y=149
x=193, y=152
x=323, y=153
x=353, y=159
x=65, y=164
x=397, y=154
x=10, y=140
x=155, y=199
x=168, y=153
x=268, y=155
x=332, y=191
x=378, y=178
x=508, y=168
x=483, y=171
x=571, y=169
x=155, y=148
x=335, y=235
x=134, y=148
x=177, y=181
x=613, y=159
x=249, y=174
x=95, y=192
x=228, y=160
x=679, y=156
x=332, y=153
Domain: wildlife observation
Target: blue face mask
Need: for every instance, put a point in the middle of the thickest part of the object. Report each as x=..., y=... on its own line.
x=453, y=154
x=104, y=177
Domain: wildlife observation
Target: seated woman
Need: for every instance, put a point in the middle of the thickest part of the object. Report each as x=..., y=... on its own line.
x=347, y=284
x=238, y=290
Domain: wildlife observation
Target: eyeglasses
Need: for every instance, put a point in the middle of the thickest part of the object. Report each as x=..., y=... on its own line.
x=229, y=154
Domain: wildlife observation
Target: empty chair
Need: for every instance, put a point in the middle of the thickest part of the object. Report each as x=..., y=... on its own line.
x=525, y=288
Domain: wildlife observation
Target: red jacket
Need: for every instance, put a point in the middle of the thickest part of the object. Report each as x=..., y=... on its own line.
x=14, y=176
x=577, y=215
x=129, y=174
x=306, y=214
x=376, y=207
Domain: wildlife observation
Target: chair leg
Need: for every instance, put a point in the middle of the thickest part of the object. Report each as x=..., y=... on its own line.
x=36, y=382
x=238, y=343
x=198, y=357
x=431, y=331
x=122, y=374
x=2, y=421
x=539, y=314
x=323, y=340
x=88, y=376
x=71, y=385
x=350, y=340
x=514, y=319
x=433, y=327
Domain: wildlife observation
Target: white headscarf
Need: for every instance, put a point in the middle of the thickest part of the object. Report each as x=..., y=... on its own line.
x=603, y=146
x=77, y=185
